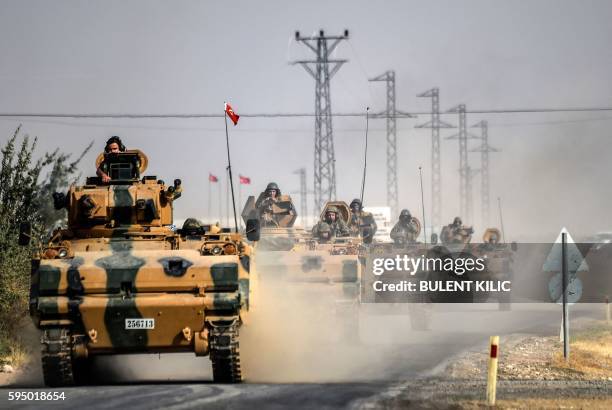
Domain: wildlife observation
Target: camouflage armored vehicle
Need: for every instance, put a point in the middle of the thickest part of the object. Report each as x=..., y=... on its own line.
x=288, y=251
x=329, y=273
x=416, y=307
x=497, y=257
x=278, y=232
x=120, y=279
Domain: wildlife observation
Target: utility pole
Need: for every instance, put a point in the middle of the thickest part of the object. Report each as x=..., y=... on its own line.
x=303, y=195
x=465, y=173
x=391, y=114
x=322, y=69
x=484, y=150
x=436, y=178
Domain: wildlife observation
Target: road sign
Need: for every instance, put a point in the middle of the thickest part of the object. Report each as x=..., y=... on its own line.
x=574, y=258
x=574, y=289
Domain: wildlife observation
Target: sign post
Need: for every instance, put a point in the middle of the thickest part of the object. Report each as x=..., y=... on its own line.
x=565, y=276
x=492, y=371
x=565, y=288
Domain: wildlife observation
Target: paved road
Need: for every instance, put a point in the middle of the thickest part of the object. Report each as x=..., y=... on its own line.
x=327, y=376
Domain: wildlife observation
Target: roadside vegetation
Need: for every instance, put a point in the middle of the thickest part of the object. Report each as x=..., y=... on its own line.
x=27, y=181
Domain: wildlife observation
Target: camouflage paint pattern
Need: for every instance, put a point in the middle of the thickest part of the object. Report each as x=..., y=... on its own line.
x=120, y=259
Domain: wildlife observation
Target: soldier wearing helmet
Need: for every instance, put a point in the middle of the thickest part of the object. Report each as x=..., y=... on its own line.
x=405, y=230
x=192, y=228
x=113, y=145
x=265, y=207
x=361, y=223
x=330, y=227
x=456, y=232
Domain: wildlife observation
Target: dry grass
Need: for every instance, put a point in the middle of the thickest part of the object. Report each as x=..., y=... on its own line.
x=15, y=349
x=565, y=403
x=18, y=355
x=590, y=354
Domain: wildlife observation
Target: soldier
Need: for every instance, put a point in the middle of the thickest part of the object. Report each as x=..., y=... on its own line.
x=405, y=230
x=329, y=228
x=265, y=212
x=113, y=145
x=192, y=228
x=361, y=223
x=456, y=232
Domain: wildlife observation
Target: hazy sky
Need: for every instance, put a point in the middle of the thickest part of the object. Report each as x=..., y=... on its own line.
x=189, y=57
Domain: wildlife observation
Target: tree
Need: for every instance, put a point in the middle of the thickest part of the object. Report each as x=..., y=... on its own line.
x=26, y=196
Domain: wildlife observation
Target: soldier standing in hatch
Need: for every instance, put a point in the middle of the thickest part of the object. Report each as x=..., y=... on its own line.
x=331, y=227
x=405, y=230
x=361, y=223
x=456, y=232
x=113, y=145
x=265, y=211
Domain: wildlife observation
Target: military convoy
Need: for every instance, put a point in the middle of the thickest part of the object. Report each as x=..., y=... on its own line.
x=329, y=270
x=120, y=279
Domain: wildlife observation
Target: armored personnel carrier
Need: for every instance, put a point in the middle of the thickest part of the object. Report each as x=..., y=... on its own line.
x=278, y=232
x=290, y=252
x=498, y=261
x=417, y=308
x=121, y=279
x=329, y=273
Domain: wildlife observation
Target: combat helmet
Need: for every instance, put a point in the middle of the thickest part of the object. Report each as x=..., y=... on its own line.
x=192, y=226
x=405, y=215
x=357, y=202
x=273, y=186
x=332, y=209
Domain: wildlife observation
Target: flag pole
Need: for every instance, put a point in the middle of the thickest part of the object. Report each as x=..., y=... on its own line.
x=209, y=195
x=240, y=196
x=220, y=203
x=229, y=169
x=227, y=217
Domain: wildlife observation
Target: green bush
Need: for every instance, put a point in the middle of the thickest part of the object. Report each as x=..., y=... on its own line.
x=25, y=195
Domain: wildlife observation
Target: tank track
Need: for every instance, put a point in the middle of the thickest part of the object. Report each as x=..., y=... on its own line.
x=57, y=357
x=225, y=353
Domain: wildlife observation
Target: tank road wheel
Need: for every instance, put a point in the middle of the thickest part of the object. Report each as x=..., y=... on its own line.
x=225, y=353
x=57, y=358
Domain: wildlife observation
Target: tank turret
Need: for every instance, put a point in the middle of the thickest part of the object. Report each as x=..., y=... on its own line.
x=121, y=279
x=126, y=200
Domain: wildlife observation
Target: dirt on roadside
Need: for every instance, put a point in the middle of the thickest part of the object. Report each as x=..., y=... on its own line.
x=24, y=362
x=541, y=358
x=532, y=373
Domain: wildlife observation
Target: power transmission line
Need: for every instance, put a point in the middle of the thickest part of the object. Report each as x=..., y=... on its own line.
x=484, y=150
x=391, y=115
x=287, y=114
x=322, y=68
x=436, y=175
x=465, y=172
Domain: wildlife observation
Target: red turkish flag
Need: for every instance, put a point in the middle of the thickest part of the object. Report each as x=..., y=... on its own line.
x=230, y=113
x=244, y=180
x=212, y=178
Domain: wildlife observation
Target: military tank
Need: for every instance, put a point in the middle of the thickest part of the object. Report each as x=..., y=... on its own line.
x=287, y=251
x=278, y=230
x=498, y=262
x=121, y=279
x=329, y=273
x=417, y=308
